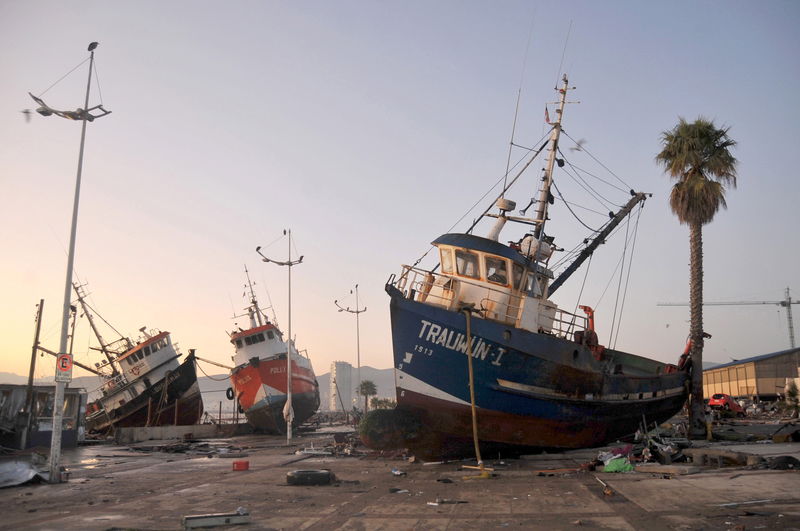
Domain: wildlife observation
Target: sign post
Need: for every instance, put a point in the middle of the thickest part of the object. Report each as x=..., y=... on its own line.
x=64, y=368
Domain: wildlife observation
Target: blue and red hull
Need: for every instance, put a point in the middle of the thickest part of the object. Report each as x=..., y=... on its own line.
x=532, y=390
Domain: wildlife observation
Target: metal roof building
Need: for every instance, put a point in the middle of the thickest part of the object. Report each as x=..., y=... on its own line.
x=760, y=376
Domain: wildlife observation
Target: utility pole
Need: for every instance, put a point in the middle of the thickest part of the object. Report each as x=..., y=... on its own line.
x=357, y=311
x=64, y=362
x=29, y=389
x=786, y=303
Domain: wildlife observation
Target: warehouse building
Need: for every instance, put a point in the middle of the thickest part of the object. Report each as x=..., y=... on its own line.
x=760, y=377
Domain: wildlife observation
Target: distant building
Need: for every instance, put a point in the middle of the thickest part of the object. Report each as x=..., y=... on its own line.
x=762, y=377
x=341, y=395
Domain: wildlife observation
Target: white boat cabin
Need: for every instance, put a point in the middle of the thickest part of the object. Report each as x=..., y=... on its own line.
x=141, y=367
x=502, y=282
x=261, y=342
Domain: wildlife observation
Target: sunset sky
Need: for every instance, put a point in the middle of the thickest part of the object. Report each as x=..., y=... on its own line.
x=369, y=129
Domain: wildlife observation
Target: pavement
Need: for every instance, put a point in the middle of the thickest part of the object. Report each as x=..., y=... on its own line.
x=115, y=487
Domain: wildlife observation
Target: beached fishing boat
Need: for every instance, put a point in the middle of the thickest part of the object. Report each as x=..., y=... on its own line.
x=258, y=380
x=144, y=382
x=484, y=316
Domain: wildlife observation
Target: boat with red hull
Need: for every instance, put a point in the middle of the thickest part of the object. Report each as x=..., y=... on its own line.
x=259, y=382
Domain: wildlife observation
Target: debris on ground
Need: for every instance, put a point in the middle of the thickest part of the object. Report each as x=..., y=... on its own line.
x=241, y=516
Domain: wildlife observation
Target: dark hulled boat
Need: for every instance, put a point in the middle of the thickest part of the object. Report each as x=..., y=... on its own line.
x=540, y=377
x=144, y=382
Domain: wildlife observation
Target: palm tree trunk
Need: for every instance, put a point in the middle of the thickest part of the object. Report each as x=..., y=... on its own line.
x=697, y=409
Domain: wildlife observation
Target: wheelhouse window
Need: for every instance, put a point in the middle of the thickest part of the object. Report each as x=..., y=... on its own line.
x=496, y=270
x=239, y=343
x=147, y=350
x=467, y=264
x=447, y=260
x=270, y=334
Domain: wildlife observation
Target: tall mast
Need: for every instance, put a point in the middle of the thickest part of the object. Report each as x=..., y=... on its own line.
x=86, y=311
x=253, y=300
x=544, y=193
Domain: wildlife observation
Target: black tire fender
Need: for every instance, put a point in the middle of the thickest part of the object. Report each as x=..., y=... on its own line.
x=229, y=393
x=310, y=477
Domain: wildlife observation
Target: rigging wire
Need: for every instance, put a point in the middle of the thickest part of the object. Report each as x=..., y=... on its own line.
x=611, y=277
x=576, y=205
x=62, y=77
x=586, y=186
x=619, y=283
x=594, y=231
x=563, y=53
x=519, y=95
x=480, y=200
x=580, y=293
x=612, y=185
x=628, y=276
x=597, y=161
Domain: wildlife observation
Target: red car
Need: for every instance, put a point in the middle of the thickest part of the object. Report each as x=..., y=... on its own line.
x=726, y=402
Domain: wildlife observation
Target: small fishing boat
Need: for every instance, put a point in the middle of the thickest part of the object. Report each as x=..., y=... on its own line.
x=144, y=382
x=258, y=380
x=482, y=320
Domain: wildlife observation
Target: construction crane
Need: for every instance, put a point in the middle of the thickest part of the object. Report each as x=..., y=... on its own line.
x=786, y=303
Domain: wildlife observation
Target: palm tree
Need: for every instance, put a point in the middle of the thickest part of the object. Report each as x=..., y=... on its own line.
x=697, y=156
x=367, y=389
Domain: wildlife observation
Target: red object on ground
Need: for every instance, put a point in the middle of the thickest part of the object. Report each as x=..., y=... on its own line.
x=241, y=465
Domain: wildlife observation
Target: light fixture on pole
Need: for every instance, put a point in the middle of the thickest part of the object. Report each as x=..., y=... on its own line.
x=64, y=360
x=288, y=412
x=358, y=336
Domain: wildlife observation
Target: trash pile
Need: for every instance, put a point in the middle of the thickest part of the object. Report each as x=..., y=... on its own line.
x=192, y=447
x=344, y=445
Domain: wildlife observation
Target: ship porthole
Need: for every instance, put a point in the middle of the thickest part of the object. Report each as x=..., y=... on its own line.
x=506, y=334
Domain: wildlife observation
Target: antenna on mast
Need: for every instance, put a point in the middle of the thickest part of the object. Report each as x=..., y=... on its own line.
x=254, y=309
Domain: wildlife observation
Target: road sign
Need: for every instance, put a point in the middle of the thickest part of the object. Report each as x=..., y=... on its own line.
x=64, y=368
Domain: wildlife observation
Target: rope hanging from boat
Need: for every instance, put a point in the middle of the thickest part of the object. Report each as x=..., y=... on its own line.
x=484, y=473
x=223, y=379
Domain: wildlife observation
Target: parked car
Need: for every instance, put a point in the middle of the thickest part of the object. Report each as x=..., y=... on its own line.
x=727, y=403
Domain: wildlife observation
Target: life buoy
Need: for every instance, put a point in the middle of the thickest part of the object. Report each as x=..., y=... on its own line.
x=229, y=393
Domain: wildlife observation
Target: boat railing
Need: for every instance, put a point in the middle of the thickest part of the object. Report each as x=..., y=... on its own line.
x=502, y=305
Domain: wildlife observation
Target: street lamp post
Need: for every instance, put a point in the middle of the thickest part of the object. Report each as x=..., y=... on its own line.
x=357, y=311
x=288, y=412
x=64, y=361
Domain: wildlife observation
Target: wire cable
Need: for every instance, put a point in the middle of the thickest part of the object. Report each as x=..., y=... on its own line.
x=594, y=231
x=597, y=160
x=628, y=276
x=62, y=77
